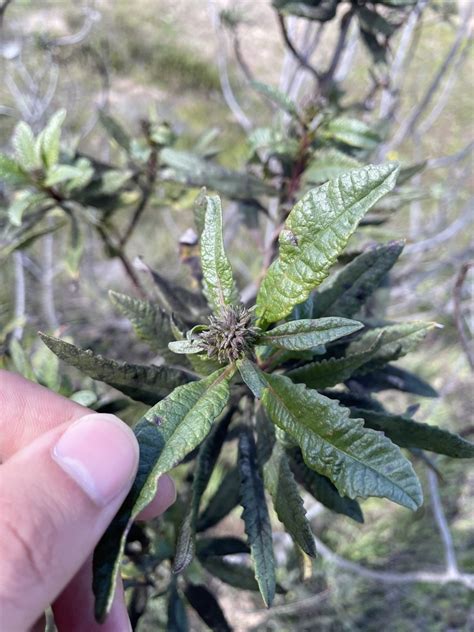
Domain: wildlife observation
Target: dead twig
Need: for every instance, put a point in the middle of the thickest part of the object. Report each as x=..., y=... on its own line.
x=458, y=319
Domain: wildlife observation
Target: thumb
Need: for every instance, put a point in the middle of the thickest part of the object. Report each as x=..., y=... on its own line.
x=58, y=496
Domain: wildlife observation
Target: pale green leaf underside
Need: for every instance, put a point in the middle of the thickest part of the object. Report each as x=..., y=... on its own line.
x=166, y=434
x=256, y=518
x=359, y=461
x=316, y=231
x=218, y=280
x=297, y=335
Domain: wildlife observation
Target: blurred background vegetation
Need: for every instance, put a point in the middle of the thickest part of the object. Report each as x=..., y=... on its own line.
x=171, y=60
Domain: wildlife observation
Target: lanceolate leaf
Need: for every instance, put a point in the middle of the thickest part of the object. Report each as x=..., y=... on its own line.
x=327, y=164
x=150, y=323
x=166, y=434
x=394, y=377
x=255, y=516
x=222, y=503
x=315, y=233
x=23, y=142
x=275, y=95
x=398, y=340
x=218, y=282
x=207, y=457
x=146, y=384
x=177, y=617
x=11, y=172
x=298, y=335
x=280, y=483
x=360, y=462
x=48, y=140
x=207, y=607
x=333, y=371
x=236, y=575
x=352, y=132
x=349, y=290
x=321, y=488
x=408, y=433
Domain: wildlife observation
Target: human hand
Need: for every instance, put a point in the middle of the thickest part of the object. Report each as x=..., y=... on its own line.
x=65, y=471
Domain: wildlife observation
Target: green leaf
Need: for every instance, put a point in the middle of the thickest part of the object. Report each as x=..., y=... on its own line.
x=398, y=340
x=276, y=96
x=61, y=173
x=115, y=130
x=236, y=575
x=360, y=462
x=210, y=547
x=186, y=346
x=189, y=169
x=280, y=483
x=298, y=335
x=222, y=503
x=177, y=617
x=352, y=132
x=315, y=233
x=23, y=141
x=327, y=164
x=333, y=371
x=206, y=460
x=374, y=22
x=255, y=516
x=11, y=172
x=47, y=143
x=75, y=248
x=144, y=383
x=150, y=323
x=21, y=361
x=166, y=434
x=21, y=202
x=207, y=607
x=348, y=291
x=394, y=377
x=218, y=280
x=321, y=488
x=320, y=10
x=408, y=433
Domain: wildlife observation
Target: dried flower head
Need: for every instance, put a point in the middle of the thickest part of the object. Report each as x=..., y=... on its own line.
x=230, y=335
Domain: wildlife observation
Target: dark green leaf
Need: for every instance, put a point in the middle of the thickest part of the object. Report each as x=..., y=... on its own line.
x=207, y=607
x=297, y=335
x=236, y=575
x=345, y=294
x=398, y=340
x=255, y=516
x=333, y=370
x=146, y=384
x=315, y=233
x=320, y=10
x=206, y=460
x=177, y=617
x=394, y=377
x=322, y=489
x=210, y=547
x=189, y=169
x=115, y=130
x=166, y=434
x=359, y=462
x=150, y=323
x=222, y=503
x=408, y=433
x=218, y=280
x=280, y=483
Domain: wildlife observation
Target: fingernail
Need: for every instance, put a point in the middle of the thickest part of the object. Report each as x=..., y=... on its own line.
x=100, y=453
x=166, y=491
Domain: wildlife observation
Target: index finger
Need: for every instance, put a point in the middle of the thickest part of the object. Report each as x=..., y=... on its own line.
x=27, y=410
